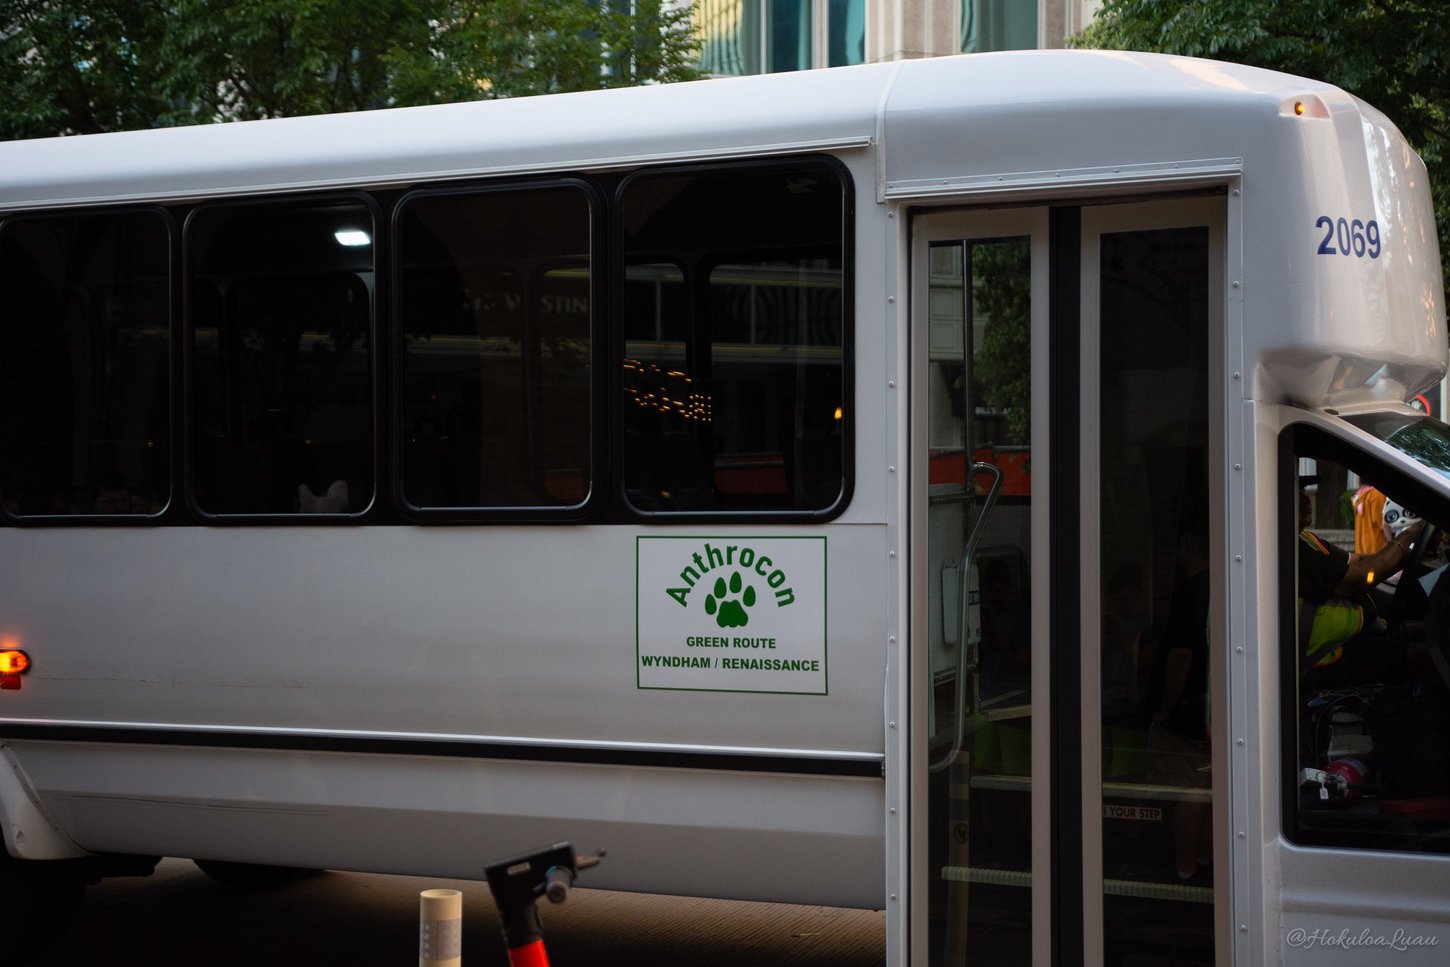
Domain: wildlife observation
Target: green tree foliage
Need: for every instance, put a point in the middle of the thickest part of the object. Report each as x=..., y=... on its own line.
x=247, y=59
x=1002, y=294
x=508, y=48
x=82, y=66
x=1391, y=53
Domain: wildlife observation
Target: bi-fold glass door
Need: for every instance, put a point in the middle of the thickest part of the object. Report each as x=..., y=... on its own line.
x=1066, y=584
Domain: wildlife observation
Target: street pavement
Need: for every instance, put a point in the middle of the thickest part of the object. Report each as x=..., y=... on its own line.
x=178, y=916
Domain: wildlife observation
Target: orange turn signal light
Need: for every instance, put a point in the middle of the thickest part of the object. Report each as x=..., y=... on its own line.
x=1304, y=106
x=13, y=661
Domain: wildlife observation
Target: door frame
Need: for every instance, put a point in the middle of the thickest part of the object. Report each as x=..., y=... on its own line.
x=954, y=225
x=1098, y=220
x=1066, y=799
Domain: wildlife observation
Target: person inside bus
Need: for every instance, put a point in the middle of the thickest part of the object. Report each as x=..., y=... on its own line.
x=1006, y=634
x=1128, y=646
x=1370, y=533
x=1342, y=638
x=1178, y=736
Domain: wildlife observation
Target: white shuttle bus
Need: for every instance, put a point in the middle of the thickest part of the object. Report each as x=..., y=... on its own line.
x=929, y=487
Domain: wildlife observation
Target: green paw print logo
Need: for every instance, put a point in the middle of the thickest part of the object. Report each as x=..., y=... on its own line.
x=729, y=611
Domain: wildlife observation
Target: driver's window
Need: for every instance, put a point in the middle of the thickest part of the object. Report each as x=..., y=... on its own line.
x=1366, y=639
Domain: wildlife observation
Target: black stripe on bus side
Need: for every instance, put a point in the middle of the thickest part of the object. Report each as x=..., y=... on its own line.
x=448, y=748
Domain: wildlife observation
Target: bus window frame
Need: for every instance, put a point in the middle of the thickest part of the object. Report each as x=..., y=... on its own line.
x=377, y=398
x=607, y=501
x=599, y=325
x=1296, y=440
x=619, y=265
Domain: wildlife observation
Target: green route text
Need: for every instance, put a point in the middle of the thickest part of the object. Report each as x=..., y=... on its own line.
x=708, y=642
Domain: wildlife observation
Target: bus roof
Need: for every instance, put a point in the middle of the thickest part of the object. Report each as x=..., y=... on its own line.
x=1037, y=107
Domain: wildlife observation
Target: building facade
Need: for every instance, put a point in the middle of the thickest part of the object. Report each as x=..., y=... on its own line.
x=766, y=36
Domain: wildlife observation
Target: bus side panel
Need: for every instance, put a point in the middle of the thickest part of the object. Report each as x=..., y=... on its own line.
x=684, y=831
x=512, y=632
x=1351, y=907
x=320, y=639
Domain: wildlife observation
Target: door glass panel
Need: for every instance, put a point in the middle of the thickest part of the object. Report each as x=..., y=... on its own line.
x=978, y=628
x=1154, y=566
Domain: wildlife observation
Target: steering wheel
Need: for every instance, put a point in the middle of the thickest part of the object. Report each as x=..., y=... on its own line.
x=1404, y=598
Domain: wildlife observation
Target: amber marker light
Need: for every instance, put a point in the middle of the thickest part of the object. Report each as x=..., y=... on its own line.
x=1307, y=106
x=13, y=664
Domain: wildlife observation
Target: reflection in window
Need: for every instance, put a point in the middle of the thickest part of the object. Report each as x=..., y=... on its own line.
x=733, y=375
x=1425, y=439
x=1366, y=642
x=845, y=32
x=767, y=36
x=788, y=35
x=495, y=305
x=85, y=365
x=1156, y=599
x=730, y=36
x=280, y=306
x=978, y=404
x=989, y=25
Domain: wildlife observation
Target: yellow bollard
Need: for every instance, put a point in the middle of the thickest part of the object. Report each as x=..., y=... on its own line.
x=440, y=929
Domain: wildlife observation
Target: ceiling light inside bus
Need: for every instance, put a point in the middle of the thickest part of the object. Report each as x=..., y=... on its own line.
x=352, y=237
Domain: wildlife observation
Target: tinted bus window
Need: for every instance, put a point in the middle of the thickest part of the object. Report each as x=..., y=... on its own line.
x=734, y=378
x=85, y=365
x=495, y=305
x=280, y=305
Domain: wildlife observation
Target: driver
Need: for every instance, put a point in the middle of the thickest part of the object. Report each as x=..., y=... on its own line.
x=1342, y=637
